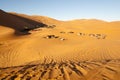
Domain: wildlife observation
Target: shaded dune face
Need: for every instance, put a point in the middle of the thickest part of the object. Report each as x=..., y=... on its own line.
x=18, y=23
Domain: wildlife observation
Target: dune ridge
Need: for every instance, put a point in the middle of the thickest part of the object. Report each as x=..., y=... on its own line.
x=42, y=48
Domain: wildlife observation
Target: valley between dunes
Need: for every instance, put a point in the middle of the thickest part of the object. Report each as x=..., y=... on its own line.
x=42, y=48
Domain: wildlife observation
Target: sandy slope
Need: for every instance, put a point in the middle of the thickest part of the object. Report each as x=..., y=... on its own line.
x=73, y=50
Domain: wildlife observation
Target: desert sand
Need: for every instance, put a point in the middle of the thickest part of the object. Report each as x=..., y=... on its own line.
x=41, y=48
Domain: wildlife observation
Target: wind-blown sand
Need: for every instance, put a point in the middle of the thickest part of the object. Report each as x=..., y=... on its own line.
x=42, y=48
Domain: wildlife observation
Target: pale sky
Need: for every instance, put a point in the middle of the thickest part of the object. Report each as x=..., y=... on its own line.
x=66, y=9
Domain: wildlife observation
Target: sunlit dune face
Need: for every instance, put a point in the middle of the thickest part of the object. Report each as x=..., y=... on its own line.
x=72, y=49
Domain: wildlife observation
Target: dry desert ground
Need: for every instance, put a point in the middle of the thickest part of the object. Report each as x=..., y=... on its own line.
x=41, y=48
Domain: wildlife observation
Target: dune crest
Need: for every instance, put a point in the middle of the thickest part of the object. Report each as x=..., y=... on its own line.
x=60, y=50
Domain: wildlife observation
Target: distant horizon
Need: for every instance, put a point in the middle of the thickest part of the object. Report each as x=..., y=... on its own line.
x=106, y=10
x=62, y=19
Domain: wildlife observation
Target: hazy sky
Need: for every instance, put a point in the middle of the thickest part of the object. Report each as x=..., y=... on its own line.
x=66, y=9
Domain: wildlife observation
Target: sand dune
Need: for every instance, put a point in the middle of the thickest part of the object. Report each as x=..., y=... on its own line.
x=18, y=23
x=88, y=70
x=60, y=50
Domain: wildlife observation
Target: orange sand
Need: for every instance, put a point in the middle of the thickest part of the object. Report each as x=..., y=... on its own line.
x=71, y=50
